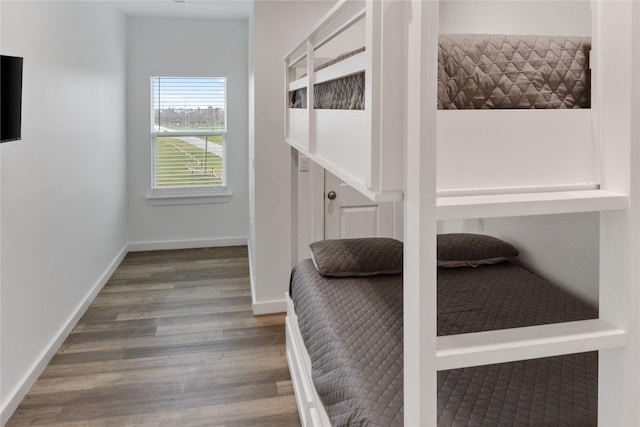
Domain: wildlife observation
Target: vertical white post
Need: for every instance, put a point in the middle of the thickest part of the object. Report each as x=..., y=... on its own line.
x=373, y=81
x=385, y=45
x=617, y=80
x=311, y=78
x=294, y=208
x=420, y=407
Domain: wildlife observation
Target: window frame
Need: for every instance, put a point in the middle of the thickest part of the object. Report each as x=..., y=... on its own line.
x=187, y=194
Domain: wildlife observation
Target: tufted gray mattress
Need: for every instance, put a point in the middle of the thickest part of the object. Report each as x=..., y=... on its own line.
x=484, y=71
x=481, y=71
x=345, y=93
x=352, y=328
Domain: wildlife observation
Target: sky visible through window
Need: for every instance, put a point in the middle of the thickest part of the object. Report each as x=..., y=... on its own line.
x=189, y=92
x=181, y=103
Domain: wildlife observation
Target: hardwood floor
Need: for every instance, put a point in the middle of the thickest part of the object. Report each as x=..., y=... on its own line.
x=169, y=341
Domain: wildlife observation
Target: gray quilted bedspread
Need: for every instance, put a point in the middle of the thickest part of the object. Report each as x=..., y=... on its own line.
x=346, y=93
x=483, y=71
x=352, y=328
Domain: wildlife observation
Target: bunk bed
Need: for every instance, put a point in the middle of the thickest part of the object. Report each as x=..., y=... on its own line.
x=346, y=112
x=347, y=301
x=453, y=163
x=482, y=71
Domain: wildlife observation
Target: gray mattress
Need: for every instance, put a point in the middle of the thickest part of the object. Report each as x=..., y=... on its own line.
x=352, y=328
x=484, y=71
x=345, y=93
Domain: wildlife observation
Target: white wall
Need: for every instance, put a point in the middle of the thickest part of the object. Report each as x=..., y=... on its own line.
x=568, y=18
x=311, y=209
x=62, y=206
x=186, y=47
x=276, y=28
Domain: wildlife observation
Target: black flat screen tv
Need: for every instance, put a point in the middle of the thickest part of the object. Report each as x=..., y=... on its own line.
x=10, y=98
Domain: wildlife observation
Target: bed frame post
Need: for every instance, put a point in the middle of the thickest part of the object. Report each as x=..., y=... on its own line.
x=618, y=84
x=420, y=394
x=294, y=208
x=310, y=96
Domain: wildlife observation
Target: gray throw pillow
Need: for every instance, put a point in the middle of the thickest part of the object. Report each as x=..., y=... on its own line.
x=472, y=250
x=357, y=257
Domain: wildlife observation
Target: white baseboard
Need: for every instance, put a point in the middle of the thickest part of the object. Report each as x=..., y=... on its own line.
x=16, y=396
x=268, y=307
x=252, y=280
x=186, y=244
x=263, y=307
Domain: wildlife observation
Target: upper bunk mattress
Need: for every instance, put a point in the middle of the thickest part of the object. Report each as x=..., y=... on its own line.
x=352, y=328
x=485, y=71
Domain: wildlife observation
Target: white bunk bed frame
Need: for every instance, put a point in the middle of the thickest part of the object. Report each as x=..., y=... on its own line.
x=597, y=170
x=367, y=163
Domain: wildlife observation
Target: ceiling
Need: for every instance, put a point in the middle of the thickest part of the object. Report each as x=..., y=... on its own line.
x=186, y=8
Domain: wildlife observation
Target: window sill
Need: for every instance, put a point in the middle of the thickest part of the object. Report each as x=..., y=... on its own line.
x=165, y=199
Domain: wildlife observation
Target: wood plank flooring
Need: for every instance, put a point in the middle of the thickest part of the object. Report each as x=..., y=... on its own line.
x=169, y=341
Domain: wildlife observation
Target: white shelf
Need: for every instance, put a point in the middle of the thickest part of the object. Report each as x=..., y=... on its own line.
x=507, y=345
x=520, y=204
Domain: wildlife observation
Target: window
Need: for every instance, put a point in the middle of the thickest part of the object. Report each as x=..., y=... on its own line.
x=188, y=130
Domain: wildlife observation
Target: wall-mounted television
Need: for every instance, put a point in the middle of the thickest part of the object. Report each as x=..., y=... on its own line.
x=10, y=98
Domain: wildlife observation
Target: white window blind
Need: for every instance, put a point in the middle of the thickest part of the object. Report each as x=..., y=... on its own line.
x=188, y=129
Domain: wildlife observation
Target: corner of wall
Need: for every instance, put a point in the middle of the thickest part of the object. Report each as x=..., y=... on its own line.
x=15, y=396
